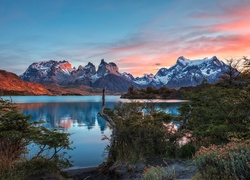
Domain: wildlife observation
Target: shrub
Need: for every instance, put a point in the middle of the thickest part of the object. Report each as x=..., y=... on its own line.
x=17, y=133
x=158, y=173
x=186, y=151
x=230, y=161
x=138, y=136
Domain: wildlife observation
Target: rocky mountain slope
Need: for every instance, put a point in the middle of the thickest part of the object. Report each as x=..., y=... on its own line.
x=107, y=75
x=184, y=73
x=11, y=84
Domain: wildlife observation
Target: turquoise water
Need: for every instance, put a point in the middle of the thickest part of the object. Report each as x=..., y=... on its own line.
x=78, y=115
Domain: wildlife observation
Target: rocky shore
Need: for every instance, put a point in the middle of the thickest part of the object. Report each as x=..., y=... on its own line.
x=124, y=171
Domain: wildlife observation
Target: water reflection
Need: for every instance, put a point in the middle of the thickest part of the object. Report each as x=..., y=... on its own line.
x=84, y=114
x=79, y=116
x=66, y=114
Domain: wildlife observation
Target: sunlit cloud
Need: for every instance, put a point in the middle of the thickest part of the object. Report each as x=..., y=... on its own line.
x=227, y=37
x=182, y=28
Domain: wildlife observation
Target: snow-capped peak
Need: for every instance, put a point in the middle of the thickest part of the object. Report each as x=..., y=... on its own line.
x=128, y=76
x=185, y=72
x=187, y=62
x=183, y=61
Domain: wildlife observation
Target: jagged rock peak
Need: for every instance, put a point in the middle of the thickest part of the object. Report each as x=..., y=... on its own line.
x=113, y=68
x=90, y=64
x=184, y=73
x=112, y=64
x=65, y=65
x=128, y=76
x=182, y=59
x=80, y=67
x=104, y=68
x=103, y=62
x=58, y=64
x=214, y=57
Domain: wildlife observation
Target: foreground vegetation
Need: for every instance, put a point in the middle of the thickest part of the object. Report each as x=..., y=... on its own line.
x=215, y=119
x=152, y=93
x=139, y=136
x=229, y=161
x=215, y=123
x=18, y=135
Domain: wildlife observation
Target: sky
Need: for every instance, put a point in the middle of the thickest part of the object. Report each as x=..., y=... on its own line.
x=139, y=36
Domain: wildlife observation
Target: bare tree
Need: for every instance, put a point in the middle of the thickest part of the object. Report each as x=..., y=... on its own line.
x=246, y=62
x=236, y=68
x=112, y=125
x=233, y=70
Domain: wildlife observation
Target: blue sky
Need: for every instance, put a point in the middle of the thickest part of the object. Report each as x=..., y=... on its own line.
x=139, y=36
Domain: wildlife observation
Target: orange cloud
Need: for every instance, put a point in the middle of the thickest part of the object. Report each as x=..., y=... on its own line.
x=228, y=46
x=138, y=65
x=224, y=33
x=233, y=26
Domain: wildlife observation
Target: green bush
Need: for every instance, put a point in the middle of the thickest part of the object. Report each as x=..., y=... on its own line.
x=138, y=136
x=230, y=161
x=17, y=133
x=158, y=173
x=218, y=114
x=186, y=151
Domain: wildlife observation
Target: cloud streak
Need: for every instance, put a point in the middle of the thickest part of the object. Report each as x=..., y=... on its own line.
x=180, y=28
x=227, y=37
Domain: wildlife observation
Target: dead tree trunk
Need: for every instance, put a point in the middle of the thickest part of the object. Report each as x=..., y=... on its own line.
x=112, y=125
x=185, y=120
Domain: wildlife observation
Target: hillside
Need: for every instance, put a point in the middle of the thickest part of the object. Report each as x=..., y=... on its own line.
x=11, y=84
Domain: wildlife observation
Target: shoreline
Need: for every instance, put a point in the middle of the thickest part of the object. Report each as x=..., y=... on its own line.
x=183, y=169
x=75, y=171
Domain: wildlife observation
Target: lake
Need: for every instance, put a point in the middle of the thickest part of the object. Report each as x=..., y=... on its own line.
x=78, y=115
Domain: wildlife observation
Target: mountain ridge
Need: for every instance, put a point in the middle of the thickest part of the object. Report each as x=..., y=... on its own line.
x=184, y=72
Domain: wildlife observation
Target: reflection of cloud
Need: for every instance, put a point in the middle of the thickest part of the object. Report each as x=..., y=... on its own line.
x=65, y=114
x=66, y=123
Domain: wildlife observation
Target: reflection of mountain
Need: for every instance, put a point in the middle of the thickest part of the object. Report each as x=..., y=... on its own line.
x=66, y=114
x=80, y=114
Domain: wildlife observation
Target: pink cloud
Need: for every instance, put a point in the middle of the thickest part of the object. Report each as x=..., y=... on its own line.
x=233, y=18
x=226, y=46
x=224, y=33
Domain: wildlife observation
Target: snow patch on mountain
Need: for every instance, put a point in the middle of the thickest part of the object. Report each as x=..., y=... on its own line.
x=144, y=80
x=128, y=76
x=185, y=72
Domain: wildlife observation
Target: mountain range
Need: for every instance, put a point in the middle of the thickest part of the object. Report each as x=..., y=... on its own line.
x=184, y=73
